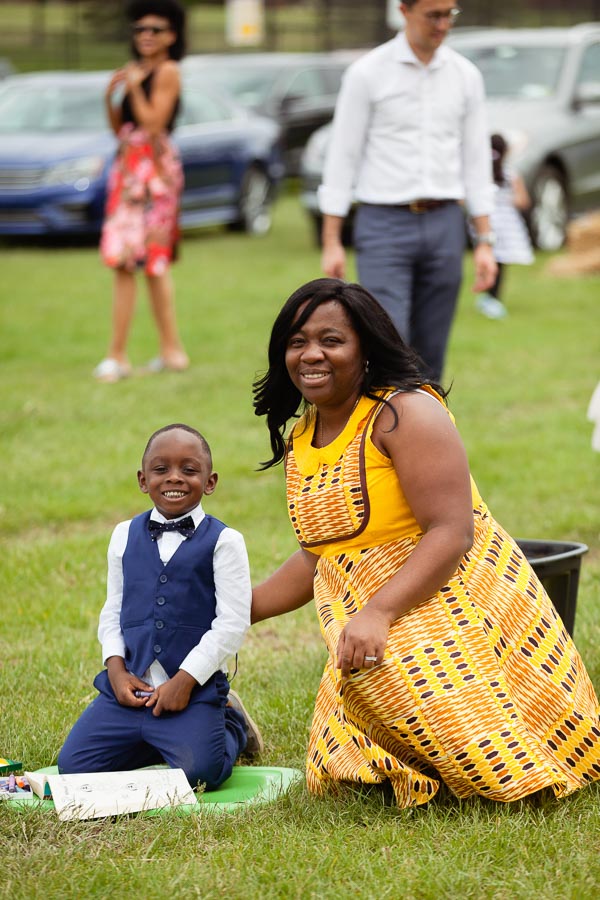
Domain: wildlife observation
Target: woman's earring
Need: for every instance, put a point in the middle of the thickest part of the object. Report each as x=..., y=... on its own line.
x=367, y=365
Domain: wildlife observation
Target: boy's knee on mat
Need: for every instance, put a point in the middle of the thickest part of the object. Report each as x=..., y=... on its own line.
x=67, y=763
x=211, y=776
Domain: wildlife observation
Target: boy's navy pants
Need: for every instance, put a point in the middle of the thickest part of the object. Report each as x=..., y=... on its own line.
x=204, y=739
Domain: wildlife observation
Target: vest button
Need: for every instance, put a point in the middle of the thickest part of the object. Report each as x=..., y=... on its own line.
x=163, y=578
x=161, y=601
x=159, y=624
x=157, y=648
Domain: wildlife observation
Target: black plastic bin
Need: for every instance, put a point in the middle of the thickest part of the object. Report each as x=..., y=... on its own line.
x=557, y=564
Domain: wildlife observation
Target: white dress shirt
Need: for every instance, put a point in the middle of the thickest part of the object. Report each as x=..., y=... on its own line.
x=233, y=595
x=405, y=131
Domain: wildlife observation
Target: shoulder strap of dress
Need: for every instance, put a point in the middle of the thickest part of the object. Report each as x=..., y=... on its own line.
x=393, y=392
x=377, y=408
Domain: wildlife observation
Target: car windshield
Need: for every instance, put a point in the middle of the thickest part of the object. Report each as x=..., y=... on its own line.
x=512, y=71
x=51, y=108
x=249, y=85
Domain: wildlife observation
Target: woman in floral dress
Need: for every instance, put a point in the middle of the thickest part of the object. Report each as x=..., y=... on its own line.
x=141, y=225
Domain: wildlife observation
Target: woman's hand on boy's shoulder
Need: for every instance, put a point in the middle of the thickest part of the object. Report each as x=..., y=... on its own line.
x=174, y=694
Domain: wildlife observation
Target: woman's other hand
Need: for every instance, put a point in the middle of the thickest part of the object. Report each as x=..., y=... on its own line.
x=134, y=74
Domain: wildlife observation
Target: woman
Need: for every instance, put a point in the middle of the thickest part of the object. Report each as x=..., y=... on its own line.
x=145, y=183
x=446, y=657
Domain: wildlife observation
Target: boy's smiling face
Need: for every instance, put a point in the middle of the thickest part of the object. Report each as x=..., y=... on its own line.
x=176, y=472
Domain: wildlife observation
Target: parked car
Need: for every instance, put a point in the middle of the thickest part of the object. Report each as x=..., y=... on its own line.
x=543, y=95
x=297, y=90
x=56, y=150
x=6, y=67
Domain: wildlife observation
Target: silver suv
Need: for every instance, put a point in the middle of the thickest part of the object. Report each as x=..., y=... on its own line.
x=543, y=90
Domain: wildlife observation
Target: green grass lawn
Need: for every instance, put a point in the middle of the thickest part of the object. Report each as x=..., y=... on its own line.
x=71, y=448
x=62, y=35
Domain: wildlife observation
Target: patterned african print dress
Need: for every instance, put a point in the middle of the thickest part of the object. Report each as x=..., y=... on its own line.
x=480, y=685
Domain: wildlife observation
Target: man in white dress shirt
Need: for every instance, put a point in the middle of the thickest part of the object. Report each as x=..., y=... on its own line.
x=410, y=143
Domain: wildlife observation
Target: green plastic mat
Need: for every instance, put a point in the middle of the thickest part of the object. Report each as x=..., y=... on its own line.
x=246, y=785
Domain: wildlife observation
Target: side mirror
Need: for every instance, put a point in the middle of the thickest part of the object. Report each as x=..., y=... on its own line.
x=289, y=103
x=586, y=94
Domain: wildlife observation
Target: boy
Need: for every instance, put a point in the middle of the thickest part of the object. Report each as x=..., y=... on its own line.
x=178, y=604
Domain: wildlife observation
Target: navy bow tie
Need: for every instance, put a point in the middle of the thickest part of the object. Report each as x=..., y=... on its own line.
x=185, y=527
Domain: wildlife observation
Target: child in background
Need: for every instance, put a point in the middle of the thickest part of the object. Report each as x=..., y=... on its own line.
x=512, y=238
x=178, y=605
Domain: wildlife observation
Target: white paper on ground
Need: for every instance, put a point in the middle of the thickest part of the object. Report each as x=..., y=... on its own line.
x=99, y=794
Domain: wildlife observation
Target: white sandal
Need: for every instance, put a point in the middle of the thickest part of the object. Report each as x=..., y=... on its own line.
x=157, y=365
x=110, y=370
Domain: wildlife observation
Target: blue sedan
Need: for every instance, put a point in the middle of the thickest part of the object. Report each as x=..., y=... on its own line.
x=56, y=150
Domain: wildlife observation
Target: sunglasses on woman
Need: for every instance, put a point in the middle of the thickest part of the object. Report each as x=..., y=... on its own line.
x=153, y=29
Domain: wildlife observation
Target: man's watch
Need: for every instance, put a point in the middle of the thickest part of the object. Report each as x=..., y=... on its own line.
x=488, y=237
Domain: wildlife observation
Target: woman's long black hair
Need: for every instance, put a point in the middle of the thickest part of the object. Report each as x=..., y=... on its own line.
x=391, y=362
x=499, y=149
x=166, y=9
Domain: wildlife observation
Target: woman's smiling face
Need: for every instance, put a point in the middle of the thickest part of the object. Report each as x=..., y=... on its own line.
x=324, y=358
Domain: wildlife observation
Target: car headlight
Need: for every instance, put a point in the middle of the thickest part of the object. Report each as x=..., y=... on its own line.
x=76, y=172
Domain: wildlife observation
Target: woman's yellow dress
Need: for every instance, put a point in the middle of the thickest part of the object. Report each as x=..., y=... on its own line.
x=480, y=685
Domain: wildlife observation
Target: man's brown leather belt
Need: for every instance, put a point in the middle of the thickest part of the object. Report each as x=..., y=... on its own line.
x=422, y=206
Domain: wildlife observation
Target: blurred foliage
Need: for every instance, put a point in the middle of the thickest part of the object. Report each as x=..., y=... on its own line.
x=88, y=34
x=105, y=19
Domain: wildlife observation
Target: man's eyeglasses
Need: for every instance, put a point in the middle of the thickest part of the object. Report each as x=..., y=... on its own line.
x=448, y=15
x=153, y=29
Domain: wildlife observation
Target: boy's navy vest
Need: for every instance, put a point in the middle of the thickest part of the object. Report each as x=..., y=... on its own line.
x=167, y=608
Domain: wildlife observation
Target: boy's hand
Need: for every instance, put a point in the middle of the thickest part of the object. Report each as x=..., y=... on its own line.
x=173, y=695
x=124, y=684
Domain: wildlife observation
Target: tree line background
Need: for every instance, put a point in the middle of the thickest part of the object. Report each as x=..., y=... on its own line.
x=88, y=34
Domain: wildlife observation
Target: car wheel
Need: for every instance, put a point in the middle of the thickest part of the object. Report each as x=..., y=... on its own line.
x=550, y=210
x=255, y=203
